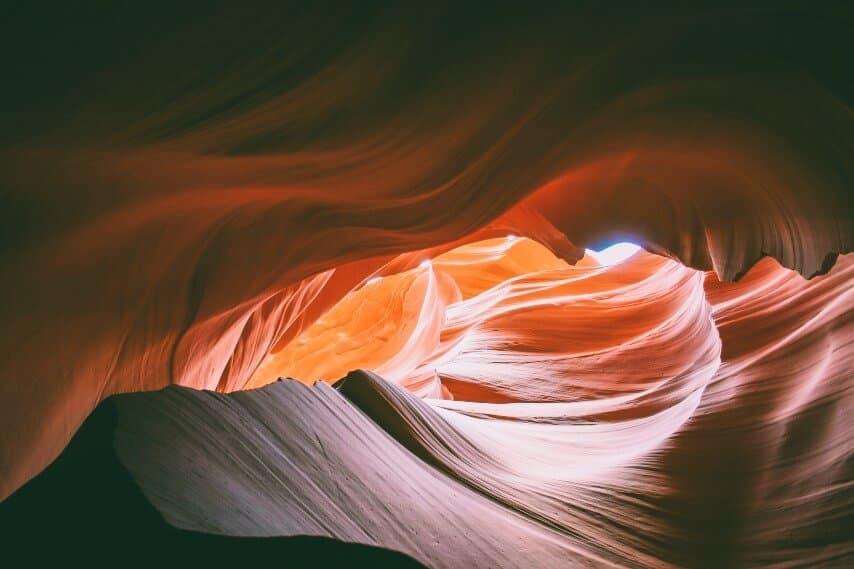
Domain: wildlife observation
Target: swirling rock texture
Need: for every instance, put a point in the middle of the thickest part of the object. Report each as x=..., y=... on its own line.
x=206, y=199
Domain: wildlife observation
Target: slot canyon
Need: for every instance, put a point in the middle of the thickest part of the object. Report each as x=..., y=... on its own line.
x=446, y=285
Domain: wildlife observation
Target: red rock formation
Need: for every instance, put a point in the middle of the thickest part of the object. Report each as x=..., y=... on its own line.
x=702, y=456
x=180, y=205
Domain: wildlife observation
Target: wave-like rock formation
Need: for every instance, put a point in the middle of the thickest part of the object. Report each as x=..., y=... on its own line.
x=522, y=420
x=215, y=197
x=645, y=412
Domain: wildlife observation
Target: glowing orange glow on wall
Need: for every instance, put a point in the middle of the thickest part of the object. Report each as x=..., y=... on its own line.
x=421, y=327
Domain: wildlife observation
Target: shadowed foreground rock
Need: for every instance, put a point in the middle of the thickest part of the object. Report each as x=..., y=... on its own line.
x=85, y=510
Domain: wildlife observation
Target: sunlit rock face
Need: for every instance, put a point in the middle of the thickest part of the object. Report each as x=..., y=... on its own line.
x=530, y=409
x=504, y=320
x=569, y=392
x=215, y=198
